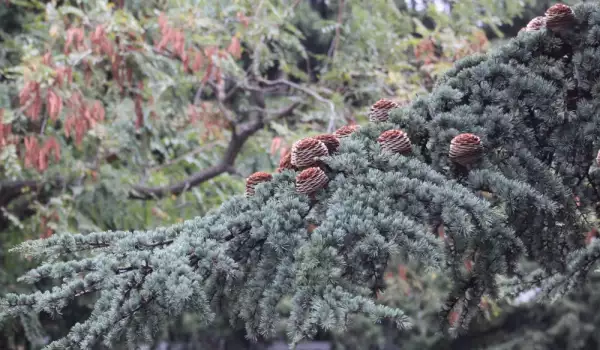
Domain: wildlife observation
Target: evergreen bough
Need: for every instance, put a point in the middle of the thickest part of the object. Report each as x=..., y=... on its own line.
x=501, y=167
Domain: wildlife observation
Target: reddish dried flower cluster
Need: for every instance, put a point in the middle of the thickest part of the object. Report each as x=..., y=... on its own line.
x=5, y=131
x=101, y=45
x=211, y=120
x=82, y=116
x=255, y=179
x=465, y=149
x=425, y=51
x=559, y=17
x=235, y=47
x=54, y=104
x=330, y=141
x=346, y=130
x=591, y=236
x=37, y=156
x=395, y=141
x=311, y=180
x=244, y=20
x=31, y=99
x=45, y=222
x=74, y=39
x=306, y=151
x=137, y=106
x=380, y=110
x=175, y=38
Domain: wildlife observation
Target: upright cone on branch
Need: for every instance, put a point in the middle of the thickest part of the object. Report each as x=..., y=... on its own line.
x=255, y=179
x=346, y=130
x=395, y=141
x=537, y=23
x=380, y=111
x=465, y=149
x=331, y=142
x=559, y=17
x=311, y=180
x=286, y=162
x=306, y=151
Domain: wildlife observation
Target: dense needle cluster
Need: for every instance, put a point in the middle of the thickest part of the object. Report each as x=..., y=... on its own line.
x=522, y=121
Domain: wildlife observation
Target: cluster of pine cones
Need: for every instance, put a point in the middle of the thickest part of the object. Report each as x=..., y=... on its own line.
x=306, y=154
x=557, y=18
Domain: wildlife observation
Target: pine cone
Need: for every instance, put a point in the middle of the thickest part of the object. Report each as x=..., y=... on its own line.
x=465, y=149
x=306, y=150
x=380, y=111
x=346, y=130
x=395, y=141
x=286, y=162
x=255, y=179
x=537, y=23
x=559, y=17
x=310, y=180
x=331, y=142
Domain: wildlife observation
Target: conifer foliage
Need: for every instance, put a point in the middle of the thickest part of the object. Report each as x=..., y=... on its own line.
x=520, y=124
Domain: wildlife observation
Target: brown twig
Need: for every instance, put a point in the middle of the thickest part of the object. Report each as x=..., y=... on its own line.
x=336, y=38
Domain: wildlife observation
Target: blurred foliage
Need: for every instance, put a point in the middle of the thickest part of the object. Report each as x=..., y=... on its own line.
x=98, y=98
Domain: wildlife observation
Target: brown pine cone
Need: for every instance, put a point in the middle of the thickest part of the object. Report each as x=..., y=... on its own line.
x=331, y=142
x=311, y=180
x=395, y=141
x=465, y=149
x=255, y=179
x=380, y=111
x=305, y=152
x=537, y=23
x=559, y=17
x=286, y=162
x=346, y=130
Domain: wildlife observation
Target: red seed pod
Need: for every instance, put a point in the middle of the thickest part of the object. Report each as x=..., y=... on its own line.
x=465, y=149
x=559, y=17
x=346, y=130
x=311, y=180
x=255, y=179
x=305, y=152
x=331, y=142
x=537, y=23
x=395, y=141
x=380, y=111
